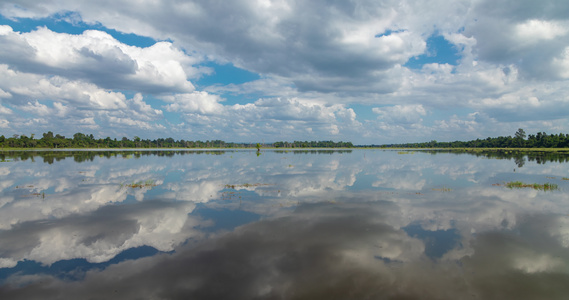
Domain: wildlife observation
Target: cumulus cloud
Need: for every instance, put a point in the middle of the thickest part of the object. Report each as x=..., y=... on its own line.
x=95, y=56
x=79, y=93
x=345, y=42
x=535, y=31
x=353, y=53
x=267, y=118
x=530, y=36
x=5, y=110
x=78, y=104
x=196, y=102
x=401, y=114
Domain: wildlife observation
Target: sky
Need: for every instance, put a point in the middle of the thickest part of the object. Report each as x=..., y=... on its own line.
x=369, y=72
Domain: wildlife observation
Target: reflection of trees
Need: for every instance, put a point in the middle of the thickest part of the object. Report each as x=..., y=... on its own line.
x=540, y=157
x=82, y=156
x=313, y=151
x=520, y=161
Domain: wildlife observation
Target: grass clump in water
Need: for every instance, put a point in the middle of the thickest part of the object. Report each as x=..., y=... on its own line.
x=543, y=187
x=245, y=185
x=141, y=184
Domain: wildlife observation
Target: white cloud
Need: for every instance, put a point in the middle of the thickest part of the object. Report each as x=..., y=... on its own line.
x=196, y=102
x=281, y=39
x=268, y=118
x=401, y=114
x=142, y=110
x=4, y=124
x=294, y=109
x=562, y=63
x=97, y=57
x=5, y=111
x=81, y=94
x=4, y=94
x=534, y=30
x=65, y=106
x=36, y=108
x=319, y=58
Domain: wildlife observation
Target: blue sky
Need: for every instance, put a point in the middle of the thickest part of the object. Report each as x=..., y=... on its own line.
x=370, y=72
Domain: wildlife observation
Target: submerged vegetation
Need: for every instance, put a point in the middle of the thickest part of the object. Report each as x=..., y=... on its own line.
x=141, y=184
x=313, y=144
x=443, y=189
x=245, y=185
x=536, y=186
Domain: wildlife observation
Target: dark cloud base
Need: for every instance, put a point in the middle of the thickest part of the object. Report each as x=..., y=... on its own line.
x=320, y=251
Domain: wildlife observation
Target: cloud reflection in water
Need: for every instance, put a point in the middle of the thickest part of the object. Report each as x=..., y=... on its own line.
x=310, y=233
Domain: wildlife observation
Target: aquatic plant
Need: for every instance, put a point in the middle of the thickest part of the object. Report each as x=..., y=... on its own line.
x=42, y=195
x=518, y=185
x=244, y=185
x=140, y=184
x=443, y=189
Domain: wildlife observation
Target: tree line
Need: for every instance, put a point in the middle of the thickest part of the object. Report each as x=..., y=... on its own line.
x=81, y=140
x=519, y=140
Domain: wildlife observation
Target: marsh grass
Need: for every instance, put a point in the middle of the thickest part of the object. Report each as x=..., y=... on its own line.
x=230, y=195
x=536, y=186
x=443, y=189
x=25, y=186
x=141, y=184
x=39, y=195
x=245, y=185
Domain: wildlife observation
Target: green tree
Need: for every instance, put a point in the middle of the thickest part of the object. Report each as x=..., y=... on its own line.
x=48, y=135
x=137, y=141
x=520, y=134
x=520, y=137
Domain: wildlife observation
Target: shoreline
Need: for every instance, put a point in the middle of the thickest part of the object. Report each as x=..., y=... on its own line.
x=298, y=149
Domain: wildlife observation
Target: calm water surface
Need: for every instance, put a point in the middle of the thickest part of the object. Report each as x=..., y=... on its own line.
x=361, y=224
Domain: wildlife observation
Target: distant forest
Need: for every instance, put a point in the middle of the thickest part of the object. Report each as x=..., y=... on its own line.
x=80, y=140
x=519, y=140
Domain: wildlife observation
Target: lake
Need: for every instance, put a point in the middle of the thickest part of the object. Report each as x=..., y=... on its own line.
x=315, y=224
